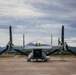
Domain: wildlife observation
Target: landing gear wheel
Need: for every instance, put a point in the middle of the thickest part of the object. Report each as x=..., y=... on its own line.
x=28, y=60
x=45, y=60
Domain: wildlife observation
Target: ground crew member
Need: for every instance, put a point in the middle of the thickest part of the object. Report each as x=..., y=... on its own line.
x=39, y=44
x=59, y=42
x=66, y=45
x=36, y=44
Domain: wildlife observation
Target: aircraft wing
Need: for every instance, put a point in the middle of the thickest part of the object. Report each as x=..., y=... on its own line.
x=37, y=47
x=21, y=49
x=32, y=47
x=57, y=47
x=18, y=47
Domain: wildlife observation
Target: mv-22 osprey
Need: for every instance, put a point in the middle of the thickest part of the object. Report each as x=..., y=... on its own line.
x=37, y=51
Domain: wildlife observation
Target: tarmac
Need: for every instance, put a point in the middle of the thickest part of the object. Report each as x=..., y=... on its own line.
x=55, y=66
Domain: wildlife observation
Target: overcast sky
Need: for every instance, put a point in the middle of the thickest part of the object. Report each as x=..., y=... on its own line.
x=37, y=19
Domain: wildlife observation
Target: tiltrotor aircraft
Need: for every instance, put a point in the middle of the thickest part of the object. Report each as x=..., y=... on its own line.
x=38, y=52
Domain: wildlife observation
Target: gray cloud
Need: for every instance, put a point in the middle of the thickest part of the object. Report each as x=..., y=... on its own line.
x=39, y=17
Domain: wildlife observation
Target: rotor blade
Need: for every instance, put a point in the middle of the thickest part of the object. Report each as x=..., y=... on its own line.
x=71, y=51
x=10, y=38
x=52, y=52
x=3, y=51
x=62, y=35
x=21, y=52
x=10, y=34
